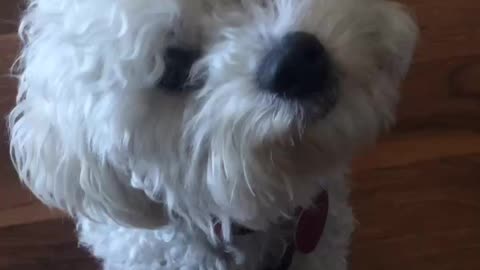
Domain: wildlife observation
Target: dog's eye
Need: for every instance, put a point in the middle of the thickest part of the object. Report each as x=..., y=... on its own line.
x=178, y=64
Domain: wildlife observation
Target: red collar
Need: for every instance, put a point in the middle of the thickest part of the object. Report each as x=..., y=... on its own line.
x=309, y=227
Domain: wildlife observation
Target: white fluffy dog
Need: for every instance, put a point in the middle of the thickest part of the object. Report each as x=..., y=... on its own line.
x=205, y=134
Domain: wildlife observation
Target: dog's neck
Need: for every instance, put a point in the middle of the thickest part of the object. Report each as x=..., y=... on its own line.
x=307, y=228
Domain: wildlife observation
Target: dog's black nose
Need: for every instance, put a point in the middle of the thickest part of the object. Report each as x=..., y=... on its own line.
x=296, y=67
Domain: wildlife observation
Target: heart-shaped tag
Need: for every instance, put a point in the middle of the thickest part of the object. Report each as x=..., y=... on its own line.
x=311, y=224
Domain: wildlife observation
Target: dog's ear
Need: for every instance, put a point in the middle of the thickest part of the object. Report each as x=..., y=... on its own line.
x=395, y=41
x=398, y=35
x=74, y=65
x=388, y=39
x=75, y=181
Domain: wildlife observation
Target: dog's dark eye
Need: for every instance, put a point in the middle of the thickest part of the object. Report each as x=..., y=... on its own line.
x=178, y=64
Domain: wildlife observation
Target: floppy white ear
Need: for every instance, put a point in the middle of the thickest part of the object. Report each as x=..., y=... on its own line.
x=397, y=36
x=79, y=183
x=72, y=57
x=398, y=32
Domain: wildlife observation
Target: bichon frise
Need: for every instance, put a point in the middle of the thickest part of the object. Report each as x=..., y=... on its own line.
x=205, y=134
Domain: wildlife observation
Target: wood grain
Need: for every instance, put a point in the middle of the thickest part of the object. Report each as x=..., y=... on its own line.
x=9, y=14
x=416, y=195
x=42, y=245
x=421, y=216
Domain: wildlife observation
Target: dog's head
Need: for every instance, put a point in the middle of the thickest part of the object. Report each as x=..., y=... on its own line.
x=138, y=110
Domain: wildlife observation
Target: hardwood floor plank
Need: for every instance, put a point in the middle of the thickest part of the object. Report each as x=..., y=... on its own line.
x=43, y=245
x=442, y=95
x=30, y=212
x=448, y=29
x=420, y=216
x=414, y=147
x=10, y=11
x=8, y=52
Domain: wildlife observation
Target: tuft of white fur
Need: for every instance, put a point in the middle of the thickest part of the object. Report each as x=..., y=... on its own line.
x=144, y=172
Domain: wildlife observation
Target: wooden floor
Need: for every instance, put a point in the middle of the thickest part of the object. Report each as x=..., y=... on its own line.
x=416, y=196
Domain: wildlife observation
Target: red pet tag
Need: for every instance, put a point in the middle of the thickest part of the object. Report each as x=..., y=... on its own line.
x=311, y=224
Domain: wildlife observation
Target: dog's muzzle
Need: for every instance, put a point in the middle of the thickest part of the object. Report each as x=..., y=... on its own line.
x=296, y=67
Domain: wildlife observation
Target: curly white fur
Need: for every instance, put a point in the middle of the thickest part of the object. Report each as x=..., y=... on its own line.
x=144, y=171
